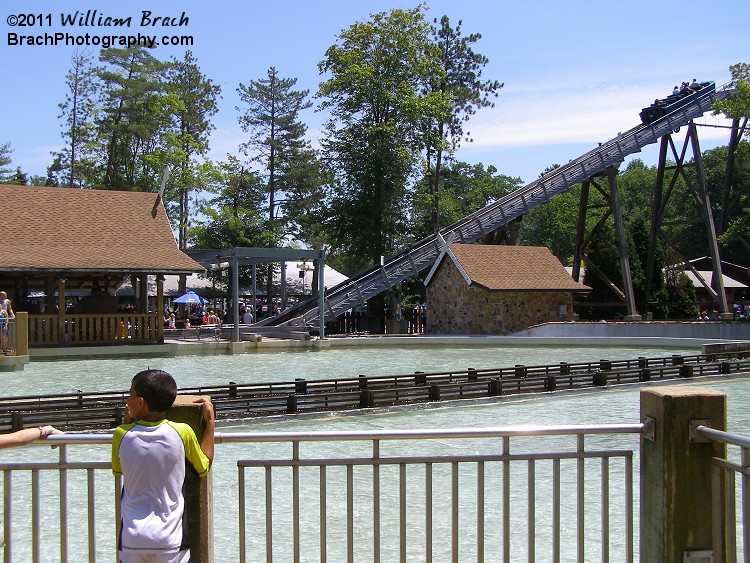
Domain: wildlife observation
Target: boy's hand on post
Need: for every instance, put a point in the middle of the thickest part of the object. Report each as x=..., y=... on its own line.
x=208, y=408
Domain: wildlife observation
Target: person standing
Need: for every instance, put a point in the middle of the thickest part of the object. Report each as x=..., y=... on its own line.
x=6, y=314
x=152, y=455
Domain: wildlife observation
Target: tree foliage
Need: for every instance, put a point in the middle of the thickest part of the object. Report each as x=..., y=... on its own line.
x=76, y=161
x=271, y=117
x=197, y=97
x=738, y=105
x=458, y=80
x=465, y=189
x=5, y=159
x=374, y=94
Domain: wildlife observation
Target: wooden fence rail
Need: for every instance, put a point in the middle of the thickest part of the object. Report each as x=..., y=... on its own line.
x=82, y=410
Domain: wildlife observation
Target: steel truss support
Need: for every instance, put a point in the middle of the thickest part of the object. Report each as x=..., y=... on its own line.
x=662, y=192
x=613, y=209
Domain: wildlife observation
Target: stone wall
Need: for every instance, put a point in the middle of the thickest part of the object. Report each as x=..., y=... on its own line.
x=454, y=307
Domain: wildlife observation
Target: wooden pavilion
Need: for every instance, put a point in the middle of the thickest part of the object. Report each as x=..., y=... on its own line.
x=66, y=251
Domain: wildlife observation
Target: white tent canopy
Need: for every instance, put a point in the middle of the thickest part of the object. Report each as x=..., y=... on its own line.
x=295, y=285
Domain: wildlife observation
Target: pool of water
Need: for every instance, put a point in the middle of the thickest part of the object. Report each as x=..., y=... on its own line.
x=599, y=406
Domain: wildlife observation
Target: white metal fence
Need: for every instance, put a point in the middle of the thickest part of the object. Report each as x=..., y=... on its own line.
x=562, y=493
x=500, y=494
x=728, y=473
x=530, y=493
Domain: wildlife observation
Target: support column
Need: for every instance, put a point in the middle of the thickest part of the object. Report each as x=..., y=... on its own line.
x=708, y=217
x=198, y=491
x=61, y=311
x=622, y=247
x=235, y=265
x=49, y=298
x=581, y=230
x=321, y=297
x=159, y=313
x=254, y=291
x=143, y=294
x=676, y=492
x=283, y=285
x=657, y=210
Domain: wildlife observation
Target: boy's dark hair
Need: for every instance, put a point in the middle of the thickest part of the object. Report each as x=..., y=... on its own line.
x=156, y=387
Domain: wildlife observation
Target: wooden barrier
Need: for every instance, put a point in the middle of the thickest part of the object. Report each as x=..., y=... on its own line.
x=83, y=410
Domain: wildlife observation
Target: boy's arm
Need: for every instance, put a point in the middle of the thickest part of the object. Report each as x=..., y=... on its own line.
x=207, y=441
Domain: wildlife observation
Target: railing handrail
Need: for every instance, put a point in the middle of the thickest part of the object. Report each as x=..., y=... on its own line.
x=723, y=437
x=353, y=435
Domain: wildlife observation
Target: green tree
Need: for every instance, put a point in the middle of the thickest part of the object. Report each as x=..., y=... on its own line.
x=76, y=160
x=374, y=93
x=457, y=80
x=18, y=178
x=271, y=117
x=231, y=217
x=738, y=105
x=304, y=207
x=135, y=110
x=5, y=151
x=553, y=224
x=733, y=207
x=198, y=103
x=466, y=188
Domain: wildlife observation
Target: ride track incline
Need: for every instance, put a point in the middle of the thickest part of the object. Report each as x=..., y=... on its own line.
x=370, y=282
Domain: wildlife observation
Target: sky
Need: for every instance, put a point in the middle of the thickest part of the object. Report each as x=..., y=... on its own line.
x=575, y=73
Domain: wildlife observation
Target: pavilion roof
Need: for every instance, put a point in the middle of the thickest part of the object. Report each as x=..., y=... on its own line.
x=67, y=231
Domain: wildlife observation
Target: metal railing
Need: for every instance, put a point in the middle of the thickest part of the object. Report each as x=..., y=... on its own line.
x=441, y=495
x=728, y=472
x=496, y=494
x=517, y=493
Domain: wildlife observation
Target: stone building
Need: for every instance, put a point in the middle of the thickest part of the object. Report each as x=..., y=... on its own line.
x=491, y=289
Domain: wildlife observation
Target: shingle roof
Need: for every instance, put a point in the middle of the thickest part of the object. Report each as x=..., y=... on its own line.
x=64, y=229
x=513, y=267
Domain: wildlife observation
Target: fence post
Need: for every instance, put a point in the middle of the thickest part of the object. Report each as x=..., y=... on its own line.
x=676, y=512
x=198, y=491
x=420, y=378
x=300, y=386
x=22, y=333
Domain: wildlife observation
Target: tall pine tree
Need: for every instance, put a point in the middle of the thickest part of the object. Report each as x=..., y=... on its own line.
x=276, y=138
x=76, y=160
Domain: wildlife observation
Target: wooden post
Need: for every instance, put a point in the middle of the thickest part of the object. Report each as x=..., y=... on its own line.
x=61, y=312
x=22, y=333
x=198, y=491
x=676, y=514
x=159, y=309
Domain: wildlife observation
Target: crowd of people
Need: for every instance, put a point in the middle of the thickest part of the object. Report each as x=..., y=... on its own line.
x=198, y=315
x=680, y=91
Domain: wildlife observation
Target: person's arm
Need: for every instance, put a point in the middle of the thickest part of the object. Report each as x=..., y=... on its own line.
x=27, y=435
x=207, y=441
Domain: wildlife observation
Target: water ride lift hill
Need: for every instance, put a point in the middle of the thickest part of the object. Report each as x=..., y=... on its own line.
x=594, y=167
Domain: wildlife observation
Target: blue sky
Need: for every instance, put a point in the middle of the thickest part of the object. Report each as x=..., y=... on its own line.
x=575, y=73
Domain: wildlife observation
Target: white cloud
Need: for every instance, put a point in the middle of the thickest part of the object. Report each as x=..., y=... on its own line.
x=528, y=118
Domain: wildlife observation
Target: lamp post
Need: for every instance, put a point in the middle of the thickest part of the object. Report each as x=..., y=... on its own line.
x=303, y=269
